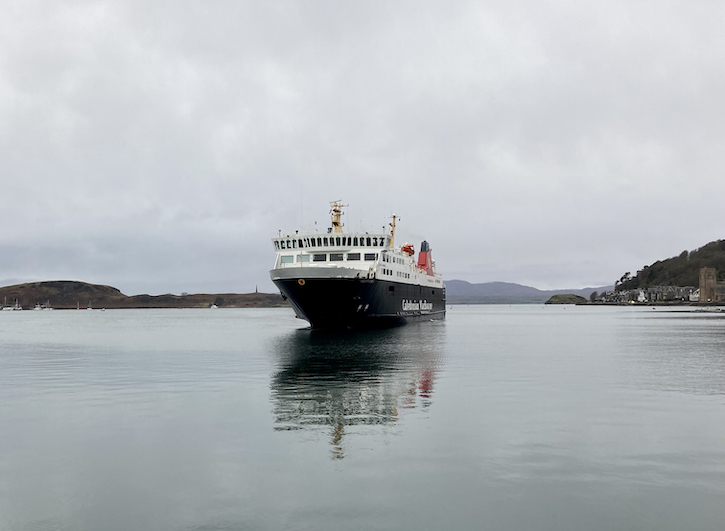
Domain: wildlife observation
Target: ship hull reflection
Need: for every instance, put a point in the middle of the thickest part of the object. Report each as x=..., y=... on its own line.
x=337, y=381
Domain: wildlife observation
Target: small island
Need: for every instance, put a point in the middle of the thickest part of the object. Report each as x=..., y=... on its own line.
x=566, y=298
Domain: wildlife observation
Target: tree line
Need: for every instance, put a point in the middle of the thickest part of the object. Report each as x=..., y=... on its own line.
x=682, y=270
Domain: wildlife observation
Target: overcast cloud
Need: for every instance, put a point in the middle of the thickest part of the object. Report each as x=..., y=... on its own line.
x=157, y=146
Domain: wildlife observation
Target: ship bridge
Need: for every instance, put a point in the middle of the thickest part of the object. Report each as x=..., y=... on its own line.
x=297, y=249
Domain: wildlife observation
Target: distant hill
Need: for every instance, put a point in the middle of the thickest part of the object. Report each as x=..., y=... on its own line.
x=681, y=270
x=62, y=294
x=462, y=292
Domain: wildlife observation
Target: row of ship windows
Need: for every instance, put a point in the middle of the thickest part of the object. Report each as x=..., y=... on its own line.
x=395, y=259
x=333, y=257
x=324, y=241
x=399, y=274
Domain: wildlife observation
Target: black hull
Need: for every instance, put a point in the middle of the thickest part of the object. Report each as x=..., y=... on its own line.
x=361, y=303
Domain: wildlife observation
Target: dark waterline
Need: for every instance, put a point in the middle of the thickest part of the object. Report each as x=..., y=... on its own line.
x=523, y=417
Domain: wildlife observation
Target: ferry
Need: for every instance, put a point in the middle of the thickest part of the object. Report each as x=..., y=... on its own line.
x=336, y=279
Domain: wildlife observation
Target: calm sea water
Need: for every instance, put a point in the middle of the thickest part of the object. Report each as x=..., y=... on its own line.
x=505, y=418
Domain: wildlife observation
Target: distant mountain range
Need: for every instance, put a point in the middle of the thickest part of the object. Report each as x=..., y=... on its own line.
x=462, y=292
x=73, y=294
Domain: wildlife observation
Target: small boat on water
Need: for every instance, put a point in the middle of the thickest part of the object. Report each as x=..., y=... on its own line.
x=14, y=307
x=45, y=306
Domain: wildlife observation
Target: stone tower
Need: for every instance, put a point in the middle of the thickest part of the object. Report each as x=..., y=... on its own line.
x=708, y=281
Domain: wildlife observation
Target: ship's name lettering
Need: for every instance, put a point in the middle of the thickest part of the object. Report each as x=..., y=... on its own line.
x=417, y=306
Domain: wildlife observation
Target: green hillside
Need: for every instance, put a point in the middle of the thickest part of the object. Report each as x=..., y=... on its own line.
x=682, y=270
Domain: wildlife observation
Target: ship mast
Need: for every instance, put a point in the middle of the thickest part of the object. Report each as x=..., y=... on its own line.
x=336, y=213
x=392, y=232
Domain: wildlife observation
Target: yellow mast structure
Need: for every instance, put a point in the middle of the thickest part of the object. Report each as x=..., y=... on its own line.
x=336, y=213
x=392, y=232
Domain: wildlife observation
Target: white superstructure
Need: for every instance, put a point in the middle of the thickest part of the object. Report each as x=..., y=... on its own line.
x=361, y=254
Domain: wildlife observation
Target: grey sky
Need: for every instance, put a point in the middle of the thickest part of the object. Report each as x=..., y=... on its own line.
x=157, y=145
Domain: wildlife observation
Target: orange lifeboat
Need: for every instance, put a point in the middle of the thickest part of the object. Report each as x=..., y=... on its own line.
x=408, y=249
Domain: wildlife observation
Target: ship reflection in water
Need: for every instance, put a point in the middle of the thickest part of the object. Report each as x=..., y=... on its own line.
x=346, y=381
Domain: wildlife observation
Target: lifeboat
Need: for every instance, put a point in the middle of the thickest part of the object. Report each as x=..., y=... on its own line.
x=408, y=249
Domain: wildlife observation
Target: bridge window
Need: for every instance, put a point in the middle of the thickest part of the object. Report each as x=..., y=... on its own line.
x=300, y=244
x=319, y=242
x=371, y=256
x=354, y=241
x=368, y=242
x=276, y=245
x=319, y=257
x=324, y=241
x=353, y=256
x=335, y=257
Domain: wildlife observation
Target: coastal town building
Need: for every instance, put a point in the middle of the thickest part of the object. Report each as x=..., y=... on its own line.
x=651, y=294
x=710, y=289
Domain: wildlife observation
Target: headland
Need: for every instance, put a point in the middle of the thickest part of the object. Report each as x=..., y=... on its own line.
x=71, y=294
